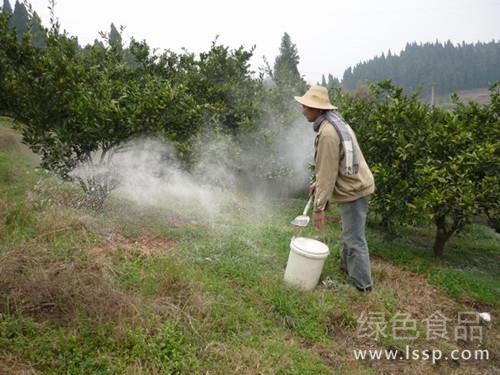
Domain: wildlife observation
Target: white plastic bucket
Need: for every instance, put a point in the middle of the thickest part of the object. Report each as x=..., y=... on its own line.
x=305, y=262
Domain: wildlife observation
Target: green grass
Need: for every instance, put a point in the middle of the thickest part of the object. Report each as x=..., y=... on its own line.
x=80, y=293
x=91, y=349
x=468, y=270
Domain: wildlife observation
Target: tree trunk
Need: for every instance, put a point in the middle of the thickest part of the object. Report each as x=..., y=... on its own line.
x=493, y=221
x=442, y=235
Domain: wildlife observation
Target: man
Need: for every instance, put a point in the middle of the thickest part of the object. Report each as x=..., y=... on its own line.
x=341, y=176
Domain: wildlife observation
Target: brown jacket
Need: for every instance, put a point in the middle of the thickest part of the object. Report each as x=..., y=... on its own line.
x=331, y=185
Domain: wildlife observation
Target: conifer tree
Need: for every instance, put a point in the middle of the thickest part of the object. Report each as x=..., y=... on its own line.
x=286, y=70
x=332, y=82
x=38, y=32
x=6, y=8
x=20, y=19
x=446, y=66
x=115, y=38
x=98, y=44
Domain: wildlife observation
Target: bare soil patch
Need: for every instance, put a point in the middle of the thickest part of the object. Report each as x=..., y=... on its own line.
x=146, y=244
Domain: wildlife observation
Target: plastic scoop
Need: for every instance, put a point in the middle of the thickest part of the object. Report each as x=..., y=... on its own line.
x=303, y=220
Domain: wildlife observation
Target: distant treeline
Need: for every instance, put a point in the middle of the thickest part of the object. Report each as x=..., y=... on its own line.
x=450, y=67
x=22, y=22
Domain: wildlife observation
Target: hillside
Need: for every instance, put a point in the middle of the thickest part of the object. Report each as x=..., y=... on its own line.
x=448, y=67
x=168, y=288
x=480, y=96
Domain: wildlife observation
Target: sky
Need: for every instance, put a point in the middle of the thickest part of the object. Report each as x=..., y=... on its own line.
x=330, y=35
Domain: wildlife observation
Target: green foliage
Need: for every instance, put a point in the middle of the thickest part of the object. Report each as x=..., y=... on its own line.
x=444, y=65
x=457, y=173
x=6, y=8
x=392, y=142
x=20, y=19
x=389, y=125
x=286, y=64
x=287, y=80
x=482, y=122
x=25, y=21
x=444, y=176
x=38, y=32
x=429, y=163
x=332, y=82
x=115, y=37
x=77, y=106
x=8, y=53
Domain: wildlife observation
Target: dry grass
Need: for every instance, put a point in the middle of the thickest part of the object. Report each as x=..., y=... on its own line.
x=54, y=222
x=11, y=365
x=3, y=211
x=9, y=142
x=80, y=279
x=34, y=284
x=3, y=207
x=50, y=191
x=139, y=369
x=244, y=360
x=415, y=296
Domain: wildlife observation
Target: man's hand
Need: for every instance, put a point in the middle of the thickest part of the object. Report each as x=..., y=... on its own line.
x=312, y=188
x=319, y=219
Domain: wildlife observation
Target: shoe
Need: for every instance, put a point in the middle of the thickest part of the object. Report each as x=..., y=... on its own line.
x=364, y=290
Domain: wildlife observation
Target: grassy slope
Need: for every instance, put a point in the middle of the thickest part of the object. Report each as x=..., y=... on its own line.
x=135, y=290
x=468, y=271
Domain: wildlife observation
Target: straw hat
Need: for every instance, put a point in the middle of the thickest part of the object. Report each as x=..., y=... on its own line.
x=316, y=97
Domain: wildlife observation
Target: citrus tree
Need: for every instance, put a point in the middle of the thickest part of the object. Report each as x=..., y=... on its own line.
x=484, y=123
x=389, y=126
x=429, y=163
x=76, y=106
